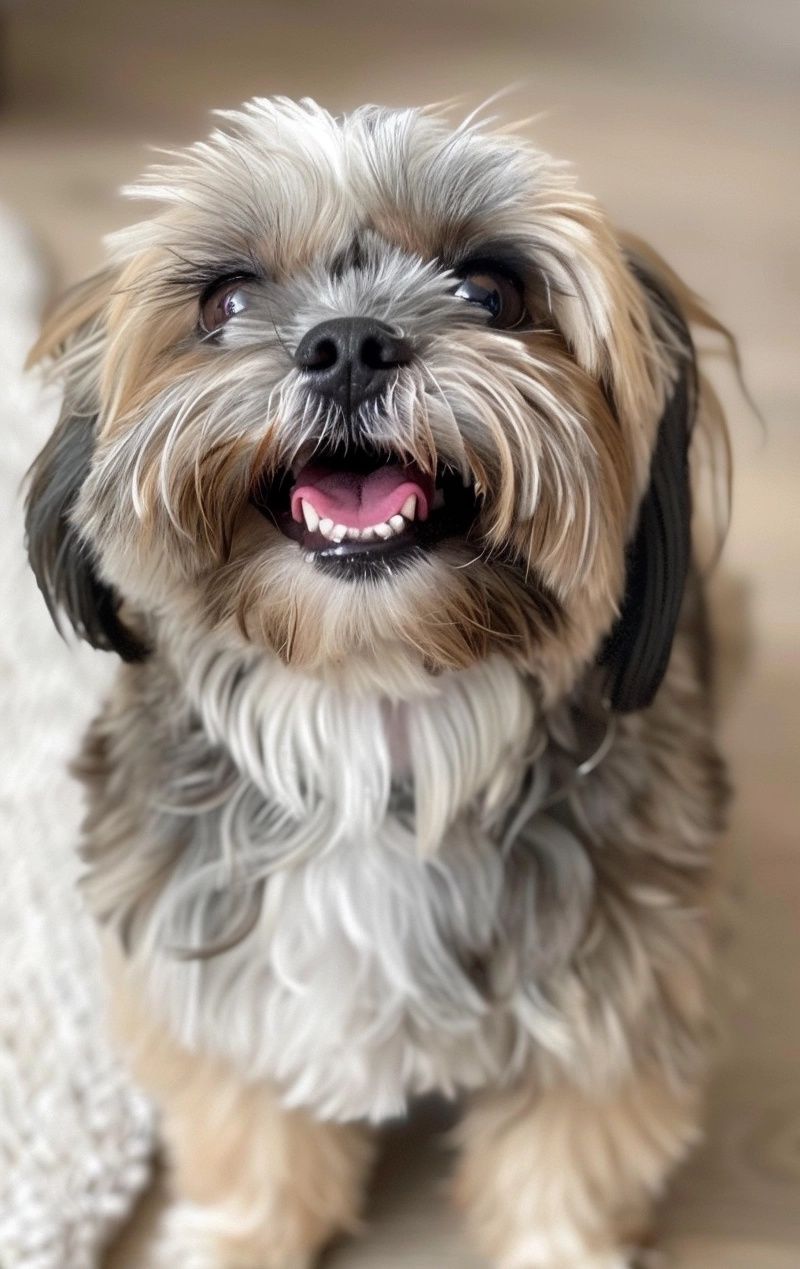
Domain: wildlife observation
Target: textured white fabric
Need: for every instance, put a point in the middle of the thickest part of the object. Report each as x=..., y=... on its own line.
x=75, y=1138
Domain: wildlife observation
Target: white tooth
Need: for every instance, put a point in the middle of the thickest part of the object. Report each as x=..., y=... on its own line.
x=354, y=534
x=310, y=516
x=339, y=532
x=367, y=534
x=382, y=530
x=326, y=527
x=409, y=507
x=397, y=523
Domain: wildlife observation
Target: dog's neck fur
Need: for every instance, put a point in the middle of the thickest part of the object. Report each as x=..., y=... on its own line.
x=355, y=743
x=368, y=826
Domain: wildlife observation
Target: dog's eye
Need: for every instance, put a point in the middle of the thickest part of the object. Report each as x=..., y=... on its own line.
x=222, y=302
x=497, y=292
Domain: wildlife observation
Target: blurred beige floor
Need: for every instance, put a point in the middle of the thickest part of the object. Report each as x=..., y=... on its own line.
x=687, y=128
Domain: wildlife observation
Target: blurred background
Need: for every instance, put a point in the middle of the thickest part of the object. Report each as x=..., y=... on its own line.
x=683, y=117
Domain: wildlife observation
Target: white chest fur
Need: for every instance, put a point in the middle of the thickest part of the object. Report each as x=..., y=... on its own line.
x=381, y=884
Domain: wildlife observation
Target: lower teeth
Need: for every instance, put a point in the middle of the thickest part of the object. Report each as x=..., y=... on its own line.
x=337, y=533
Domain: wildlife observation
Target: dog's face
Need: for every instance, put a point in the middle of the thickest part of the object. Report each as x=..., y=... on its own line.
x=360, y=387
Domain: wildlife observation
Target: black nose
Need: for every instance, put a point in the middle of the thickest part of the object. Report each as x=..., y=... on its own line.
x=351, y=358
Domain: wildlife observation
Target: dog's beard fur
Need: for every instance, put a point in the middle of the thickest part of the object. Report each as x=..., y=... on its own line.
x=552, y=426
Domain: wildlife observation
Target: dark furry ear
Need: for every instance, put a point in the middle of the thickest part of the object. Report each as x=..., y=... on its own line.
x=638, y=649
x=62, y=562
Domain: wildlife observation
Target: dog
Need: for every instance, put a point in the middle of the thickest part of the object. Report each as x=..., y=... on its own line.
x=374, y=469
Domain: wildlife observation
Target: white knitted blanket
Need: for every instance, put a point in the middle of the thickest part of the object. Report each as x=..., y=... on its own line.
x=75, y=1138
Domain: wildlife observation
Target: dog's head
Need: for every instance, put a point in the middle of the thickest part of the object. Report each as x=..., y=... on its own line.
x=368, y=387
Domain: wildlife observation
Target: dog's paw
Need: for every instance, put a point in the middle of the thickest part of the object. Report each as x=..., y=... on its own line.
x=186, y=1242
x=194, y=1237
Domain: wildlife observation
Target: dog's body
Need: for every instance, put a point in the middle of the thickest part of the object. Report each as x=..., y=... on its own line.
x=424, y=805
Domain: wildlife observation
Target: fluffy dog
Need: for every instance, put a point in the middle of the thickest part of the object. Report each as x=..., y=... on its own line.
x=373, y=468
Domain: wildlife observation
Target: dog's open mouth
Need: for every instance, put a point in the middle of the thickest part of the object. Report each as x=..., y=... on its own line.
x=358, y=505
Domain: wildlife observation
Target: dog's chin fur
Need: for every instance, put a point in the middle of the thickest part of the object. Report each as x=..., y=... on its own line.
x=338, y=818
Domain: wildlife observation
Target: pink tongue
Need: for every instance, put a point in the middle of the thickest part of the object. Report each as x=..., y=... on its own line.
x=358, y=499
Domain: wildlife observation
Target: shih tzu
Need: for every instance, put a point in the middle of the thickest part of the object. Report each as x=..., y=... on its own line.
x=374, y=469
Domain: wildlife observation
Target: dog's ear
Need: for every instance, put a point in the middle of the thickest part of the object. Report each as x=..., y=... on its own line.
x=637, y=651
x=61, y=560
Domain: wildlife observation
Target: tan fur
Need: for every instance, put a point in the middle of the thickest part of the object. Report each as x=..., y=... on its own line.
x=554, y=1176
x=81, y=305
x=457, y=620
x=288, y=1182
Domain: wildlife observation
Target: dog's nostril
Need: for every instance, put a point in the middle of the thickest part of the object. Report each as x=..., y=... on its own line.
x=372, y=354
x=321, y=356
x=383, y=352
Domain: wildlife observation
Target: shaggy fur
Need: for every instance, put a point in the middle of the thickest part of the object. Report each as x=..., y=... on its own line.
x=442, y=823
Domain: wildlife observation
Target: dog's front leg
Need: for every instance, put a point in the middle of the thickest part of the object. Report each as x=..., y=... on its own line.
x=559, y=1179
x=259, y=1187
x=255, y=1186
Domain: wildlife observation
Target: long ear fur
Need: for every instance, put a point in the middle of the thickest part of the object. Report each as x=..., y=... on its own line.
x=62, y=562
x=638, y=649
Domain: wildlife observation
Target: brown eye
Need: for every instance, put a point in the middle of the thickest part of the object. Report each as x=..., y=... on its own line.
x=221, y=303
x=495, y=291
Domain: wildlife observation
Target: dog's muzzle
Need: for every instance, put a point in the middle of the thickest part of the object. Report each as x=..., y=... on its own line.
x=350, y=504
